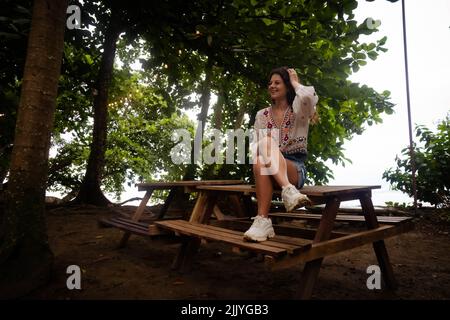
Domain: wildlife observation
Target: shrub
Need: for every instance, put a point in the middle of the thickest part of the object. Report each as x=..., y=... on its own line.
x=432, y=166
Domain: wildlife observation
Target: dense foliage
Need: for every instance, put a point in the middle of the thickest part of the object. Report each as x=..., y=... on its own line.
x=432, y=157
x=190, y=51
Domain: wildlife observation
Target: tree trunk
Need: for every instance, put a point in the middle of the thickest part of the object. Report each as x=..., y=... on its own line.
x=205, y=97
x=204, y=103
x=90, y=192
x=224, y=169
x=25, y=256
x=218, y=111
x=180, y=198
x=240, y=117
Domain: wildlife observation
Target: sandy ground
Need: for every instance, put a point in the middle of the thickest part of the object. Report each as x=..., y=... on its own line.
x=420, y=258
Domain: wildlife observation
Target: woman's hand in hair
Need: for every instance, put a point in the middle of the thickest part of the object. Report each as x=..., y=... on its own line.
x=293, y=77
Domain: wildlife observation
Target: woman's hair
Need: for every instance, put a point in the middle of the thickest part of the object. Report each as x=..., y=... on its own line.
x=282, y=72
x=290, y=95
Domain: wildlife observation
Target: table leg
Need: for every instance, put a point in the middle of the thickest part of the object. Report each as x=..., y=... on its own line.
x=203, y=210
x=184, y=258
x=177, y=262
x=236, y=202
x=167, y=203
x=218, y=213
x=199, y=206
x=378, y=246
x=204, y=207
x=136, y=217
x=209, y=209
x=250, y=208
x=312, y=268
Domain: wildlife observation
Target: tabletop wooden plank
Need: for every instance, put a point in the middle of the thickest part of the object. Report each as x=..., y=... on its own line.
x=191, y=183
x=319, y=191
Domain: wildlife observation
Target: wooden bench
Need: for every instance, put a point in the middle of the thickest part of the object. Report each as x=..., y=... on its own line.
x=277, y=246
x=291, y=247
x=133, y=225
x=284, y=251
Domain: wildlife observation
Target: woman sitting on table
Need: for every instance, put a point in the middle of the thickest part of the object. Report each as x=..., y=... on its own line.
x=281, y=148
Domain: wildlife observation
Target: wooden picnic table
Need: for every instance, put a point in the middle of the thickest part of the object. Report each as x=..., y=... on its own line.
x=136, y=226
x=291, y=246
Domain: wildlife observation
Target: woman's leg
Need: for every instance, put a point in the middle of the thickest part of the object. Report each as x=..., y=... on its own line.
x=292, y=173
x=262, y=228
x=264, y=189
x=283, y=171
x=286, y=174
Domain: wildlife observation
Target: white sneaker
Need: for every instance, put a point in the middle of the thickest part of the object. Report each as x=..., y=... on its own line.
x=260, y=230
x=292, y=198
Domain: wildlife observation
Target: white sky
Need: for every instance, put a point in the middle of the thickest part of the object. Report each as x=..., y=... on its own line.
x=428, y=36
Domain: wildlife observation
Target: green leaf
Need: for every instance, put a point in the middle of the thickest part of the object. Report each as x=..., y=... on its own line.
x=382, y=41
x=372, y=55
x=362, y=62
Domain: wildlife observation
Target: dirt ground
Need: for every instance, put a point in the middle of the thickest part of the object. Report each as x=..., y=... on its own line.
x=420, y=258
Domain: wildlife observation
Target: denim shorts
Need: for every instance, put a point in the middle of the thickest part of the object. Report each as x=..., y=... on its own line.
x=299, y=161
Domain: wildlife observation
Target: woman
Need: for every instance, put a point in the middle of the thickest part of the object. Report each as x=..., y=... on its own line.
x=282, y=149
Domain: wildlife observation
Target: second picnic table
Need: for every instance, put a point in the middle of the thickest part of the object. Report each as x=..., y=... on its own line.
x=134, y=225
